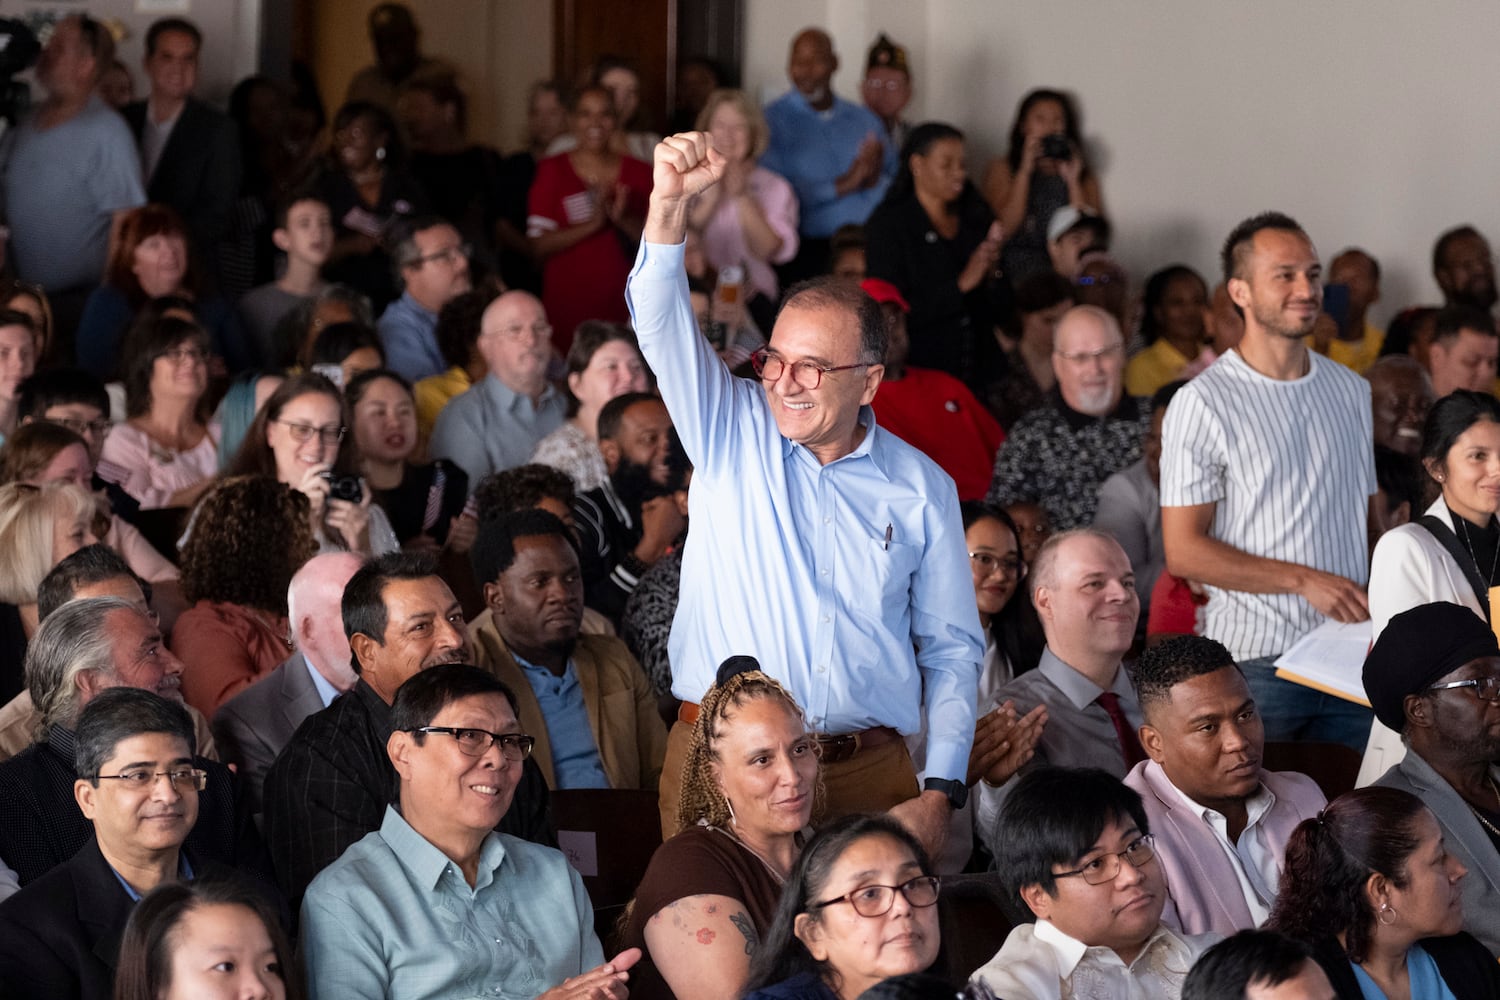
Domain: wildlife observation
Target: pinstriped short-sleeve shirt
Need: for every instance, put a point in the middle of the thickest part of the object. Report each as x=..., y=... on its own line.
x=1291, y=468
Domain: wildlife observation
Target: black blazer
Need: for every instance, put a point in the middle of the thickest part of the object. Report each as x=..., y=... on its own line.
x=60, y=935
x=1465, y=965
x=198, y=172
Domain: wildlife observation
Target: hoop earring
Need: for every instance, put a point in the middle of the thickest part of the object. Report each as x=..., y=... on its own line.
x=1385, y=911
x=380, y=153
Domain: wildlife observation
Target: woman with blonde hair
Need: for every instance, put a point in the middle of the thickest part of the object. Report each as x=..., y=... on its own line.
x=39, y=527
x=749, y=780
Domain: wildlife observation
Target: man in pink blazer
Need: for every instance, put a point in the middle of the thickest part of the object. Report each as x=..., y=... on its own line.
x=1221, y=820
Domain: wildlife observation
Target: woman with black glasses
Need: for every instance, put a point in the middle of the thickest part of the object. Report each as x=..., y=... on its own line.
x=859, y=908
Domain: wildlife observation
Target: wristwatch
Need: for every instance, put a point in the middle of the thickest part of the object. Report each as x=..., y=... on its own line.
x=957, y=791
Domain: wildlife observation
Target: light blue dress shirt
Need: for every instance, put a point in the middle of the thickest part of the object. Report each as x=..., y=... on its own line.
x=1422, y=972
x=491, y=427
x=393, y=917
x=813, y=149
x=409, y=335
x=326, y=691
x=575, y=755
x=850, y=582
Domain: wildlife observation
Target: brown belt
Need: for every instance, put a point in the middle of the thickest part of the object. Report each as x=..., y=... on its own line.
x=835, y=749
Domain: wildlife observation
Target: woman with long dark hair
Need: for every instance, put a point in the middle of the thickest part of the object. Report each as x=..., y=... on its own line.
x=1173, y=306
x=936, y=240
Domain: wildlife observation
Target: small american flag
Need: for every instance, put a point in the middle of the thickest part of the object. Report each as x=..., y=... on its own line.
x=434, y=499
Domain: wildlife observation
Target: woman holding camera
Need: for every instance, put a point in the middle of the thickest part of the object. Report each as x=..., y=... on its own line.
x=300, y=437
x=1043, y=171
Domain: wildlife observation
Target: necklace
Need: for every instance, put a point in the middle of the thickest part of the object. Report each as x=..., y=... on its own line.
x=780, y=878
x=1494, y=831
x=1494, y=561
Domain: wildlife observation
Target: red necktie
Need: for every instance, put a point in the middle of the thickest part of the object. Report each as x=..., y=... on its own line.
x=1130, y=747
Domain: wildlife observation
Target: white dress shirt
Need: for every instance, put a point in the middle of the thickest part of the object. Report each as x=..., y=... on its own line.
x=1040, y=962
x=1252, y=857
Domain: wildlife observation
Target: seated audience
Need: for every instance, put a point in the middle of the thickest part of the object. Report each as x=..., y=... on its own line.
x=253, y=726
x=38, y=529
x=1371, y=887
x=1043, y=170
x=579, y=229
x=207, y=938
x=930, y=409
x=496, y=425
x=1084, y=593
x=749, y=219
x=1442, y=555
x=92, y=571
x=60, y=934
x=425, y=503
x=331, y=783
x=583, y=698
x=250, y=534
x=84, y=648
x=1221, y=820
x=1463, y=351
x=604, y=362
x=167, y=452
x=148, y=260
x=379, y=921
x=1090, y=429
x=44, y=453
x=1257, y=965
x=1400, y=398
x=1081, y=857
x=457, y=336
x=432, y=261
x=368, y=190
x=935, y=239
x=861, y=879
x=1172, y=326
x=626, y=525
x=1433, y=677
x=724, y=866
x=304, y=234
x=300, y=437
x=1359, y=341
x=1130, y=504
x=18, y=358
x=1020, y=380
x=342, y=351
x=1464, y=268
x=295, y=334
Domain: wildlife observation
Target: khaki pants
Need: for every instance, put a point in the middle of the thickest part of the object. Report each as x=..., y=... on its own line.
x=871, y=781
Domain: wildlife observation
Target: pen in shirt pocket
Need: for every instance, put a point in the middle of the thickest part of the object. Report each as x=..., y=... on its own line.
x=888, y=536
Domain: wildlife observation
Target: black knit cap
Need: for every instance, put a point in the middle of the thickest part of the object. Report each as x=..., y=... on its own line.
x=1416, y=649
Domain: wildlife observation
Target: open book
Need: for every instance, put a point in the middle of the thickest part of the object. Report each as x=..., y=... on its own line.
x=1331, y=659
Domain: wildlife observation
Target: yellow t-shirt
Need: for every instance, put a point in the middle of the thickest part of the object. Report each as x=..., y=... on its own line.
x=433, y=393
x=1360, y=354
x=1153, y=368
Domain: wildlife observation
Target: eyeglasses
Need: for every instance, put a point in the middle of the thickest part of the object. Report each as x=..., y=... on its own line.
x=82, y=428
x=1085, y=280
x=302, y=433
x=892, y=85
x=1485, y=688
x=475, y=742
x=768, y=368
x=182, y=779
x=1084, y=357
x=1106, y=867
x=177, y=355
x=450, y=255
x=1010, y=565
x=876, y=900
x=539, y=331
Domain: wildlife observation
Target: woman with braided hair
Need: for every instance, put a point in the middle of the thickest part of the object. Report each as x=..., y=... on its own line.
x=748, y=784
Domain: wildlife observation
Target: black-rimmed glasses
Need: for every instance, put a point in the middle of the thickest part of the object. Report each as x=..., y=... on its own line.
x=1485, y=688
x=768, y=368
x=475, y=742
x=1106, y=867
x=182, y=779
x=448, y=255
x=877, y=900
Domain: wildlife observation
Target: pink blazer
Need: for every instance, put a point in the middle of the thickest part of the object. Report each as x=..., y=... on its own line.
x=1203, y=890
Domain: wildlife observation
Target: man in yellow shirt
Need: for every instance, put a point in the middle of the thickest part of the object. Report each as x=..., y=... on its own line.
x=1358, y=343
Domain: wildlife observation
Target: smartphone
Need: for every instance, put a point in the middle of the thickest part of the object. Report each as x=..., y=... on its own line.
x=1336, y=304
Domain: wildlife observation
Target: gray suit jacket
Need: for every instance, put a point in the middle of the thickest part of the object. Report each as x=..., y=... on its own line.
x=1464, y=837
x=252, y=727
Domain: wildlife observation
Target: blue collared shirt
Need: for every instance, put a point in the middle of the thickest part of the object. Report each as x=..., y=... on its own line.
x=394, y=917
x=184, y=872
x=326, y=691
x=812, y=149
x=788, y=560
x=575, y=755
x=492, y=427
x=409, y=334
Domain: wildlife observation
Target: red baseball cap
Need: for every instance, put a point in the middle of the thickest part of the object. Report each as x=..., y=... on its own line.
x=883, y=291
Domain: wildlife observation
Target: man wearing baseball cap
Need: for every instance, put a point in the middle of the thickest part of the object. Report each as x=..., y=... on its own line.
x=1434, y=677
x=930, y=409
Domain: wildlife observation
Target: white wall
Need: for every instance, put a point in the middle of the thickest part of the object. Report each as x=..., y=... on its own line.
x=1373, y=122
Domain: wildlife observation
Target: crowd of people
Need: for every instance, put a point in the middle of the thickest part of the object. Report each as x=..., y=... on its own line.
x=365, y=490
